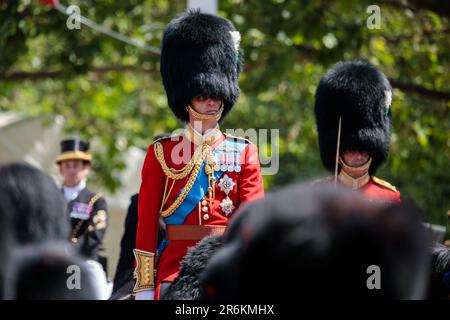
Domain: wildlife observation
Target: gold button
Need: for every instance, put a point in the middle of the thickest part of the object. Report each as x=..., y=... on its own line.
x=205, y=209
x=205, y=216
x=204, y=202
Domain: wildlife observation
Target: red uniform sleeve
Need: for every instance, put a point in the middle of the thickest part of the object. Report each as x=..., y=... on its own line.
x=149, y=202
x=251, y=185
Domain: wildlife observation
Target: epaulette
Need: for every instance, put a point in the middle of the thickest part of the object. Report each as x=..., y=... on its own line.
x=237, y=138
x=166, y=137
x=384, y=184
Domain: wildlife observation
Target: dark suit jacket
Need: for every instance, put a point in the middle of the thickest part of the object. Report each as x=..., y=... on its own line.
x=89, y=220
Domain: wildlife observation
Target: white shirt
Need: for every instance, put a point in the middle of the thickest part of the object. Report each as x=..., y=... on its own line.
x=71, y=193
x=101, y=284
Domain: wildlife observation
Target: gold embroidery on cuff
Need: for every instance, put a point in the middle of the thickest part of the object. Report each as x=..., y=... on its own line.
x=144, y=271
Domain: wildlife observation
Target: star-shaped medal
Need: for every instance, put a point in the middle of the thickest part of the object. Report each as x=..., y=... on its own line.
x=226, y=184
x=227, y=206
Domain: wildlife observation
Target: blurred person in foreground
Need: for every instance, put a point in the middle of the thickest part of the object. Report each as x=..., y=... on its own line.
x=320, y=242
x=32, y=210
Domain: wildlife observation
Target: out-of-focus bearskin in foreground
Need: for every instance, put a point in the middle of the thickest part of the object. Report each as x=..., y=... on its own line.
x=440, y=277
x=52, y=271
x=319, y=241
x=187, y=285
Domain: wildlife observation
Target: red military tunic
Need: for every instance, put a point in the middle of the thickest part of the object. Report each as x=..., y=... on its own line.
x=245, y=185
x=371, y=187
x=380, y=190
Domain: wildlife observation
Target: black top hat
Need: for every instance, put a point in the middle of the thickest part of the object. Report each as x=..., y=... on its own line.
x=360, y=95
x=200, y=55
x=74, y=149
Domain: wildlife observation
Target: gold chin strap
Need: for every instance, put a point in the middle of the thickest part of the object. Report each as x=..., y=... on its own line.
x=200, y=116
x=363, y=167
x=355, y=183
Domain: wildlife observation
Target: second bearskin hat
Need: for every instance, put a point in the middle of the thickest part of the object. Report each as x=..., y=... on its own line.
x=360, y=94
x=200, y=55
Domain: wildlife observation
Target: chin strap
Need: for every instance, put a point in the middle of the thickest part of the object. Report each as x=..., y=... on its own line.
x=200, y=116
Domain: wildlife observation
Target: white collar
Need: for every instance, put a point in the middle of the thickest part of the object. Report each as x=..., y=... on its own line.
x=210, y=136
x=70, y=193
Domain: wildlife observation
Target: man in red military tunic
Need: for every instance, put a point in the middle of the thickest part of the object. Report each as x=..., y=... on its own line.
x=198, y=178
x=352, y=110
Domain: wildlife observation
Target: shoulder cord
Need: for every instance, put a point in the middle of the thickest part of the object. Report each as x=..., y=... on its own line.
x=81, y=222
x=201, y=154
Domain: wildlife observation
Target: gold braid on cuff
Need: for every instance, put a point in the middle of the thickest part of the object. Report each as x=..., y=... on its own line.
x=144, y=272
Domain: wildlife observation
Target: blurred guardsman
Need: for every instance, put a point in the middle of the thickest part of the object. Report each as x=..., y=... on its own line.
x=352, y=110
x=195, y=180
x=87, y=209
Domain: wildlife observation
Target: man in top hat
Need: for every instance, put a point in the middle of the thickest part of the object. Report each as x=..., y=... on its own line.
x=352, y=111
x=87, y=209
x=198, y=179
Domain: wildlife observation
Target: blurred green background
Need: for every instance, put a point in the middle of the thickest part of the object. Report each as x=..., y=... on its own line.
x=113, y=91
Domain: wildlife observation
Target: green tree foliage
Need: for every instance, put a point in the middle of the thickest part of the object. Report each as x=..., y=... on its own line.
x=113, y=91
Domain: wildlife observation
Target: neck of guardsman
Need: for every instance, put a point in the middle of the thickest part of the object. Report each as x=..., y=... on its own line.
x=203, y=126
x=354, y=177
x=198, y=136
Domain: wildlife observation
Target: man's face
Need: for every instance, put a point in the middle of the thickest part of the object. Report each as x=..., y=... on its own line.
x=206, y=105
x=73, y=171
x=355, y=158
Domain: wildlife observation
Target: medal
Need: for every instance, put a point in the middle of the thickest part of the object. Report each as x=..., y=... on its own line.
x=227, y=206
x=226, y=184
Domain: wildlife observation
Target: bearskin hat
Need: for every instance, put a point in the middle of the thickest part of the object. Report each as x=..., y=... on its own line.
x=200, y=55
x=361, y=95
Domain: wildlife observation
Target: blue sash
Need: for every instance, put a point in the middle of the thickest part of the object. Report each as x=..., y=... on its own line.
x=200, y=186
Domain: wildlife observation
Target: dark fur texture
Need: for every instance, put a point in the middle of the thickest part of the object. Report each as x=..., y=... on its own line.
x=198, y=57
x=32, y=210
x=317, y=242
x=355, y=91
x=41, y=272
x=187, y=285
x=32, y=205
x=439, y=287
